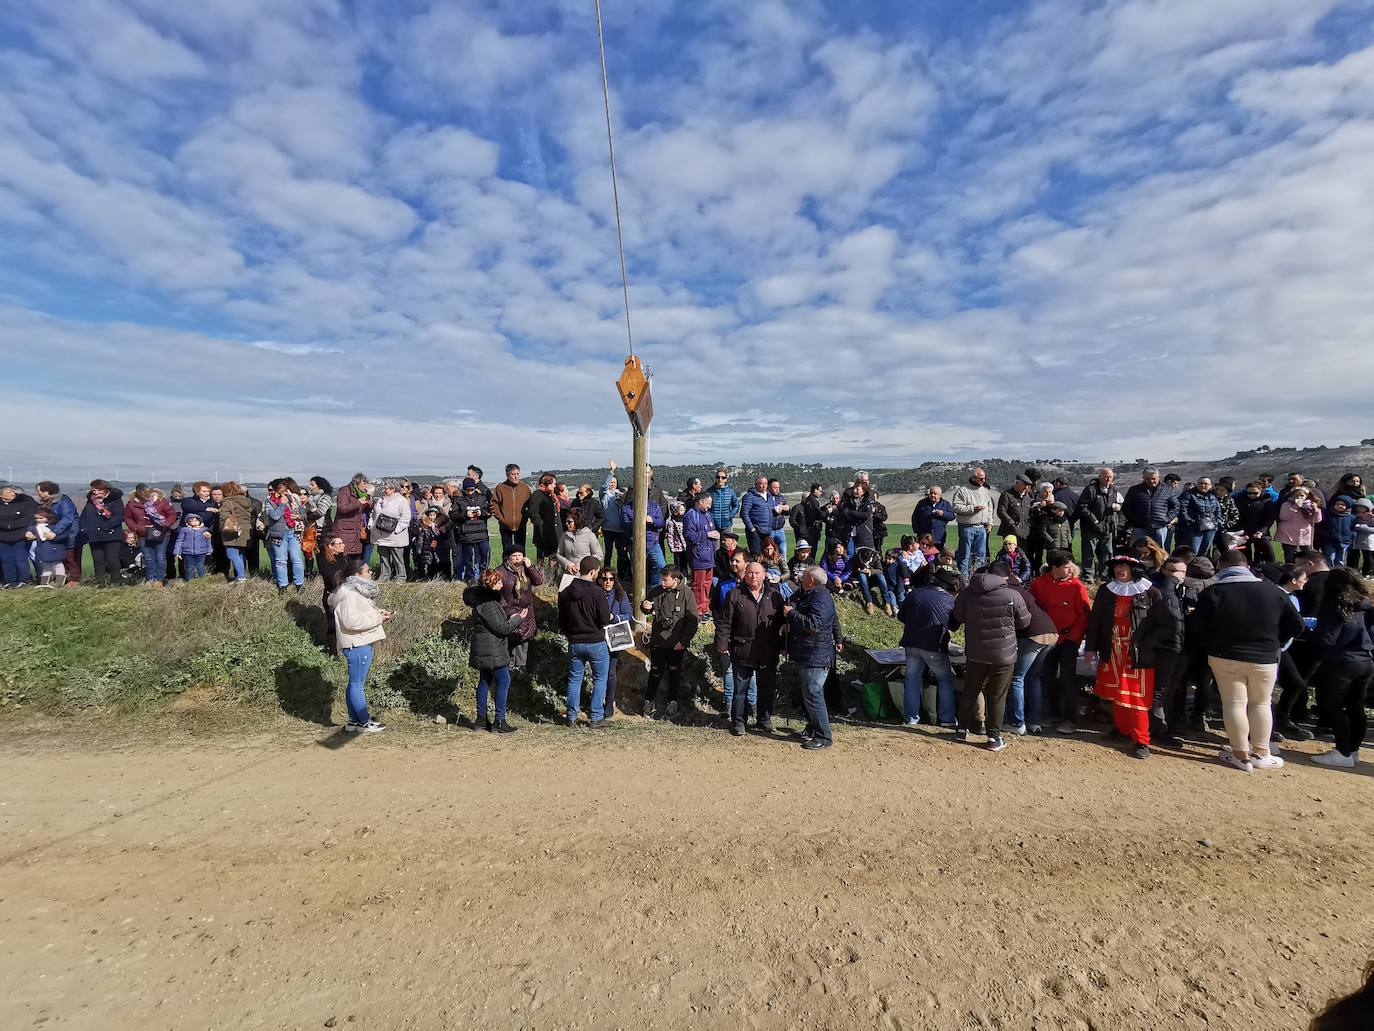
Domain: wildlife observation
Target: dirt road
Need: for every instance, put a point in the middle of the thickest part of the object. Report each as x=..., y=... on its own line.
x=655, y=877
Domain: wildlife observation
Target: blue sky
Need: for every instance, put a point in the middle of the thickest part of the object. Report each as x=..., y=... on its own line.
x=281, y=235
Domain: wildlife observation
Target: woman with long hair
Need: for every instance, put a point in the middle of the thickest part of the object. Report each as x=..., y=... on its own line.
x=151, y=519
x=358, y=625
x=235, y=528
x=285, y=518
x=622, y=611
x=102, y=524
x=489, y=649
x=1344, y=640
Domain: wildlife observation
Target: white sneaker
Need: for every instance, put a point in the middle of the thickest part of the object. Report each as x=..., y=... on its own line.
x=370, y=727
x=1019, y=731
x=1228, y=756
x=1336, y=759
x=1266, y=762
x=912, y=721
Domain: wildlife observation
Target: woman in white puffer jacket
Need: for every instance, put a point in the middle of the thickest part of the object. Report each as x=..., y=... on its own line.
x=358, y=625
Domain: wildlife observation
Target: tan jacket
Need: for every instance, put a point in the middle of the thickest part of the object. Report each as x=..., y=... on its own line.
x=357, y=620
x=508, y=503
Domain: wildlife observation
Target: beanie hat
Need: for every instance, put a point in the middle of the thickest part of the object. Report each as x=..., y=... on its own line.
x=469, y=483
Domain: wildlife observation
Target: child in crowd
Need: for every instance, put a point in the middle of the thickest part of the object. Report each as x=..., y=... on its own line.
x=1014, y=557
x=131, y=570
x=428, y=535
x=47, y=551
x=1362, y=551
x=836, y=566
x=194, y=542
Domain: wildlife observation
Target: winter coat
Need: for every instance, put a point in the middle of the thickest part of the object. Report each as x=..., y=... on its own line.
x=350, y=516
x=1019, y=563
x=593, y=513
x=622, y=608
x=808, y=521
x=925, y=616
x=1049, y=531
x=1255, y=515
x=1196, y=507
x=1243, y=617
x=932, y=517
x=16, y=518
x=725, y=506
x=1230, y=513
x=674, y=533
x=357, y=618
x=1364, y=533
x=98, y=529
x=1042, y=626
x=1013, y=513
x=1297, y=525
x=751, y=630
x=651, y=529
x=612, y=520
x=1066, y=602
x=966, y=497
x=723, y=559
x=779, y=519
x=513, y=599
x=274, y=515
x=855, y=520
x=398, y=507
x=836, y=567
x=813, y=629
x=696, y=526
x=1068, y=497
x=1098, y=637
x=1095, y=513
x=510, y=504
x=1348, y=638
x=1162, y=628
x=757, y=511
x=67, y=526
x=191, y=540
x=674, y=616
x=238, y=509
x=575, y=546
x=489, y=647
x=192, y=505
x=993, y=615
x=137, y=519
x=468, y=519
x=1337, y=528
x=545, y=522
x=54, y=550
x=317, y=509
x=1150, y=508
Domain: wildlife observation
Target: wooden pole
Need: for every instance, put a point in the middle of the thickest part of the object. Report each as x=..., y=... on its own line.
x=640, y=544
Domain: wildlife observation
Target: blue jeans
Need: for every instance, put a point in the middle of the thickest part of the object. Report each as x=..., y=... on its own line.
x=154, y=561
x=474, y=558
x=236, y=562
x=727, y=678
x=195, y=566
x=813, y=697
x=781, y=537
x=918, y=660
x=499, y=681
x=287, y=549
x=897, y=574
x=359, y=661
x=656, y=563
x=973, y=548
x=1158, y=534
x=14, y=562
x=598, y=656
x=1023, y=696
x=1335, y=554
x=868, y=583
x=1199, y=540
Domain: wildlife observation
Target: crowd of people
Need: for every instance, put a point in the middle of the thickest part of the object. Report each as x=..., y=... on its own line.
x=1194, y=614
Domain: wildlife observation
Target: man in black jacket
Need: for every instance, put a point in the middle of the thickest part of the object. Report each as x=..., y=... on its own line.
x=1159, y=644
x=1151, y=508
x=583, y=615
x=749, y=630
x=675, y=622
x=808, y=518
x=1099, y=517
x=1013, y=509
x=1243, y=621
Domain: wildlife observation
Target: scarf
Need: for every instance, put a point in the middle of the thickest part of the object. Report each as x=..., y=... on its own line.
x=101, y=508
x=154, y=516
x=1129, y=590
x=369, y=589
x=288, y=514
x=522, y=582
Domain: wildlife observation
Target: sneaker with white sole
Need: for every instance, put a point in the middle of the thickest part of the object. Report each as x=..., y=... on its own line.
x=1337, y=760
x=1228, y=756
x=995, y=744
x=1266, y=762
x=370, y=727
x=1019, y=731
x=912, y=721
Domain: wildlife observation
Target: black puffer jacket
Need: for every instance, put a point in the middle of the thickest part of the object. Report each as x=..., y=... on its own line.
x=1161, y=629
x=491, y=629
x=1257, y=515
x=16, y=517
x=1151, y=507
x=1095, y=513
x=993, y=615
x=750, y=630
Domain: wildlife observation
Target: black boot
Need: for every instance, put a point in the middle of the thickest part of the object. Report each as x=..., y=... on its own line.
x=502, y=727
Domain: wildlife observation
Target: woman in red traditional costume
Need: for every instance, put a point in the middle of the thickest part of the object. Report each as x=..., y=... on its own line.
x=1120, y=605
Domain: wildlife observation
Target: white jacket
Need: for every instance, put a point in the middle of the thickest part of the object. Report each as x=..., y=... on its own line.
x=357, y=620
x=397, y=505
x=963, y=500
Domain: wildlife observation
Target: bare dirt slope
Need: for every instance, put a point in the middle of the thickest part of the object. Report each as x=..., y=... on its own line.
x=653, y=877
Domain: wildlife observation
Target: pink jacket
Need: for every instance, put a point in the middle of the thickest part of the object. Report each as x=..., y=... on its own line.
x=1297, y=525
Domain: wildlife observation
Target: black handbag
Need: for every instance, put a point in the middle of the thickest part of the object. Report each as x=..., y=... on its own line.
x=386, y=524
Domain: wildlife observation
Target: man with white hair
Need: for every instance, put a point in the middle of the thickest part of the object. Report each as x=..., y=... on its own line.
x=749, y=632
x=973, y=508
x=813, y=641
x=1099, y=517
x=1151, y=507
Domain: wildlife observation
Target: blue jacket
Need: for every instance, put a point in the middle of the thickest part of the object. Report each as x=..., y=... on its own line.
x=614, y=520
x=68, y=524
x=1150, y=508
x=1020, y=564
x=725, y=505
x=191, y=540
x=1196, y=506
x=54, y=550
x=757, y=511
x=96, y=528
x=932, y=518
x=696, y=524
x=1338, y=529
x=620, y=608
x=925, y=618
x=651, y=530
x=192, y=505
x=813, y=629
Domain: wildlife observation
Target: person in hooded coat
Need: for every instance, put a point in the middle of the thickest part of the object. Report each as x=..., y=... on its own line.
x=489, y=648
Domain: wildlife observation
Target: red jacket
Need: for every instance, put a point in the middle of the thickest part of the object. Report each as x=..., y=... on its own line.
x=1066, y=602
x=136, y=519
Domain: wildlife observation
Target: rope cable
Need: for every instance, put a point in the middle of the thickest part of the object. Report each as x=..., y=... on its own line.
x=615, y=189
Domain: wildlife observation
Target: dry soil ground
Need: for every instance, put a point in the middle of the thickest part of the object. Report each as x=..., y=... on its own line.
x=657, y=877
